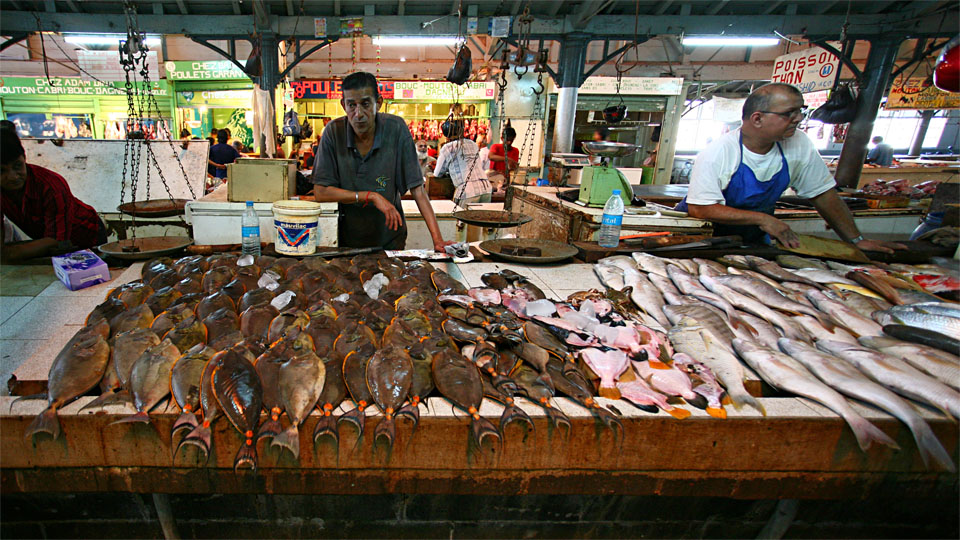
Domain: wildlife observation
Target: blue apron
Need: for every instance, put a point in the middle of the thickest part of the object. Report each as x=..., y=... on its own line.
x=745, y=192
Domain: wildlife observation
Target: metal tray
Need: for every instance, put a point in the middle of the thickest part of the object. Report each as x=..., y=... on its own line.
x=551, y=251
x=492, y=218
x=154, y=208
x=150, y=247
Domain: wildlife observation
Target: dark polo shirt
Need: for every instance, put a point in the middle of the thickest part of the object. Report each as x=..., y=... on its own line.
x=390, y=168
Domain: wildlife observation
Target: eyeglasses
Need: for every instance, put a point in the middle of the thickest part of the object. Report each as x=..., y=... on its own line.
x=801, y=113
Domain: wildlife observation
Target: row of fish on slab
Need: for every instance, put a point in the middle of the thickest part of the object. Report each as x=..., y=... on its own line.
x=807, y=330
x=235, y=337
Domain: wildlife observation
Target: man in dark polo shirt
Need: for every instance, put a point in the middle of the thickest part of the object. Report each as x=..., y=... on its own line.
x=40, y=203
x=365, y=162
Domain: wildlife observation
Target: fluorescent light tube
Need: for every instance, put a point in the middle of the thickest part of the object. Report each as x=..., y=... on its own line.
x=733, y=41
x=115, y=39
x=414, y=41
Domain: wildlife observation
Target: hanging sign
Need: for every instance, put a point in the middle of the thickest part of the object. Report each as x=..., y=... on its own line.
x=216, y=99
x=331, y=89
x=351, y=27
x=919, y=93
x=320, y=27
x=442, y=90
x=206, y=70
x=810, y=70
x=634, y=86
x=105, y=65
x=70, y=86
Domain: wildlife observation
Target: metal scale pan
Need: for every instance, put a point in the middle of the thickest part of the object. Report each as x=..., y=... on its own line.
x=147, y=248
x=492, y=219
x=155, y=208
x=550, y=250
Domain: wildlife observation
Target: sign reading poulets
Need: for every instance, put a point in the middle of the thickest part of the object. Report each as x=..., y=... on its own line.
x=330, y=89
x=810, y=70
x=919, y=93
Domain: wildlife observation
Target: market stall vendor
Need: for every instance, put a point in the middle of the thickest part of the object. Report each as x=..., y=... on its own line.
x=736, y=180
x=461, y=158
x=366, y=161
x=39, y=202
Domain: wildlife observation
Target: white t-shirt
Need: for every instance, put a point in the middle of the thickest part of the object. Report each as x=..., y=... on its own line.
x=485, y=158
x=716, y=163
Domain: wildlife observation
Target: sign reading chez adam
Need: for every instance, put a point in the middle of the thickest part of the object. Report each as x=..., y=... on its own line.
x=69, y=86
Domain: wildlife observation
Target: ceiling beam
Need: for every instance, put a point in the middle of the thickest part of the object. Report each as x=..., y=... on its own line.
x=50, y=6
x=717, y=6
x=183, y=7
x=826, y=7
x=290, y=11
x=236, y=7
x=515, y=8
x=599, y=27
x=401, y=7
x=772, y=7
x=73, y=6
x=662, y=7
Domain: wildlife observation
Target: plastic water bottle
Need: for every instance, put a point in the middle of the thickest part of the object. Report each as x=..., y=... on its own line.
x=250, y=231
x=612, y=218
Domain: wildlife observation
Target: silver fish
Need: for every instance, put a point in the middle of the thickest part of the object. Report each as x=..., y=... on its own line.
x=939, y=308
x=690, y=338
x=844, y=316
x=770, y=296
x=756, y=307
x=775, y=271
x=862, y=304
x=785, y=373
x=646, y=296
x=765, y=333
x=943, y=324
x=846, y=379
x=622, y=262
x=820, y=275
x=710, y=264
x=685, y=281
x=796, y=262
x=897, y=375
x=610, y=276
x=687, y=265
x=818, y=332
x=939, y=364
x=747, y=272
x=707, y=317
x=650, y=264
x=663, y=283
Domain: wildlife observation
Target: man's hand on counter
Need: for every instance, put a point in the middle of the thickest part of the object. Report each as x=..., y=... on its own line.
x=781, y=231
x=394, y=219
x=439, y=246
x=879, y=245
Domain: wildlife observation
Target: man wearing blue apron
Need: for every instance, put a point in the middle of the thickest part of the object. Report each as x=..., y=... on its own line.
x=366, y=161
x=737, y=179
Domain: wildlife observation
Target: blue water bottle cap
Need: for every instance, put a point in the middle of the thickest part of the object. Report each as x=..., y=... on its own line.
x=616, y=192
x=249, y=203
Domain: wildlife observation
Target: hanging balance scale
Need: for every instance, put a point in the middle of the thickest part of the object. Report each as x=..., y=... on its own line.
x=133, y=53
x=597, y=182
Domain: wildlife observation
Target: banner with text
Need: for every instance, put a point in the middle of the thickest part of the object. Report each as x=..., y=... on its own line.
x=70, y=86
x=206, y=70
x=105, y=65
x=330, y=89
x=444, y=91
x=918, y=93
x=810, y=70
x=631, y=86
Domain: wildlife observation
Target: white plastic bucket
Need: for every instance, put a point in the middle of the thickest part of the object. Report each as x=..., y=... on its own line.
x=296, y=224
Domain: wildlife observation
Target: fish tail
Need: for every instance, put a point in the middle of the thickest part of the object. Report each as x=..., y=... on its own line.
x=326, y=426
x=355, y=417
x=930, y=447
x=717, y=412
x=481, y=428
x=387, y=428
x=24, y=398
x=513, y=413
x=412, y=411
x=742, y=397
x=610, y=392
x=141, y=416
x=678, y=413
x=289, y=439
x=199, y=437
x=186, y=420
x=545, y=380
x=558, y=418
x=108, y=397
x=246, y=456
x=867, y=433
x=45, y=422
x=270, y=428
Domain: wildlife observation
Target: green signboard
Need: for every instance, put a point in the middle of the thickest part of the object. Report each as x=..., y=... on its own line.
x=70, y=86
x=206, y=70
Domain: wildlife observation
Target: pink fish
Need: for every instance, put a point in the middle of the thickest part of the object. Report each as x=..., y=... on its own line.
x=485, y=296
x=665, y=379
x=708, y=387
x=639, y=393
x=608, y=365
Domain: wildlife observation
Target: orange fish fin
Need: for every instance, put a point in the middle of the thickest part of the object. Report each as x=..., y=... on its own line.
x=610, y=393
x=656, y=364
x=678, y=413
x=717, y=412
x=726, y=400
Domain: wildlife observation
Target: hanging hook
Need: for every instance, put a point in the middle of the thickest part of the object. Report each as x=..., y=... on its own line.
x=540, y=84
x=516, y=69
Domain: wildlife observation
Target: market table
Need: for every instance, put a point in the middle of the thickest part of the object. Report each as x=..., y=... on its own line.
x=799, y=450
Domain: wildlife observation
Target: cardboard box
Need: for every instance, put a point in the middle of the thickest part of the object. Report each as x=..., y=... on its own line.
x=261, y=180
x=80, y=269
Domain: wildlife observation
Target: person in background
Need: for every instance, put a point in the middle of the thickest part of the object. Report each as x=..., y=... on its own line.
x=427, y=163
x=39, y=202
x=504, y=159
x=238, y=146
x=737, y=180
x=484, y=156
x=881, y=154
x=461, y=157
x=366, y=161
x=185, y=134
x=601, y=134
x=221, y=155
x=213, y=136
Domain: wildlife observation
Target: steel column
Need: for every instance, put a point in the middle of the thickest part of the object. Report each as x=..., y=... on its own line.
x=563, y=124
x=883, y=51
x=916, y=146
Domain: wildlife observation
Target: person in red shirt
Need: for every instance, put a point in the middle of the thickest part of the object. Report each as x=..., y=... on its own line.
x=40, y=203
x=503, y=158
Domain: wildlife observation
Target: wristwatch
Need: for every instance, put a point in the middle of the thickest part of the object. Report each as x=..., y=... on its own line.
x=856, y=240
